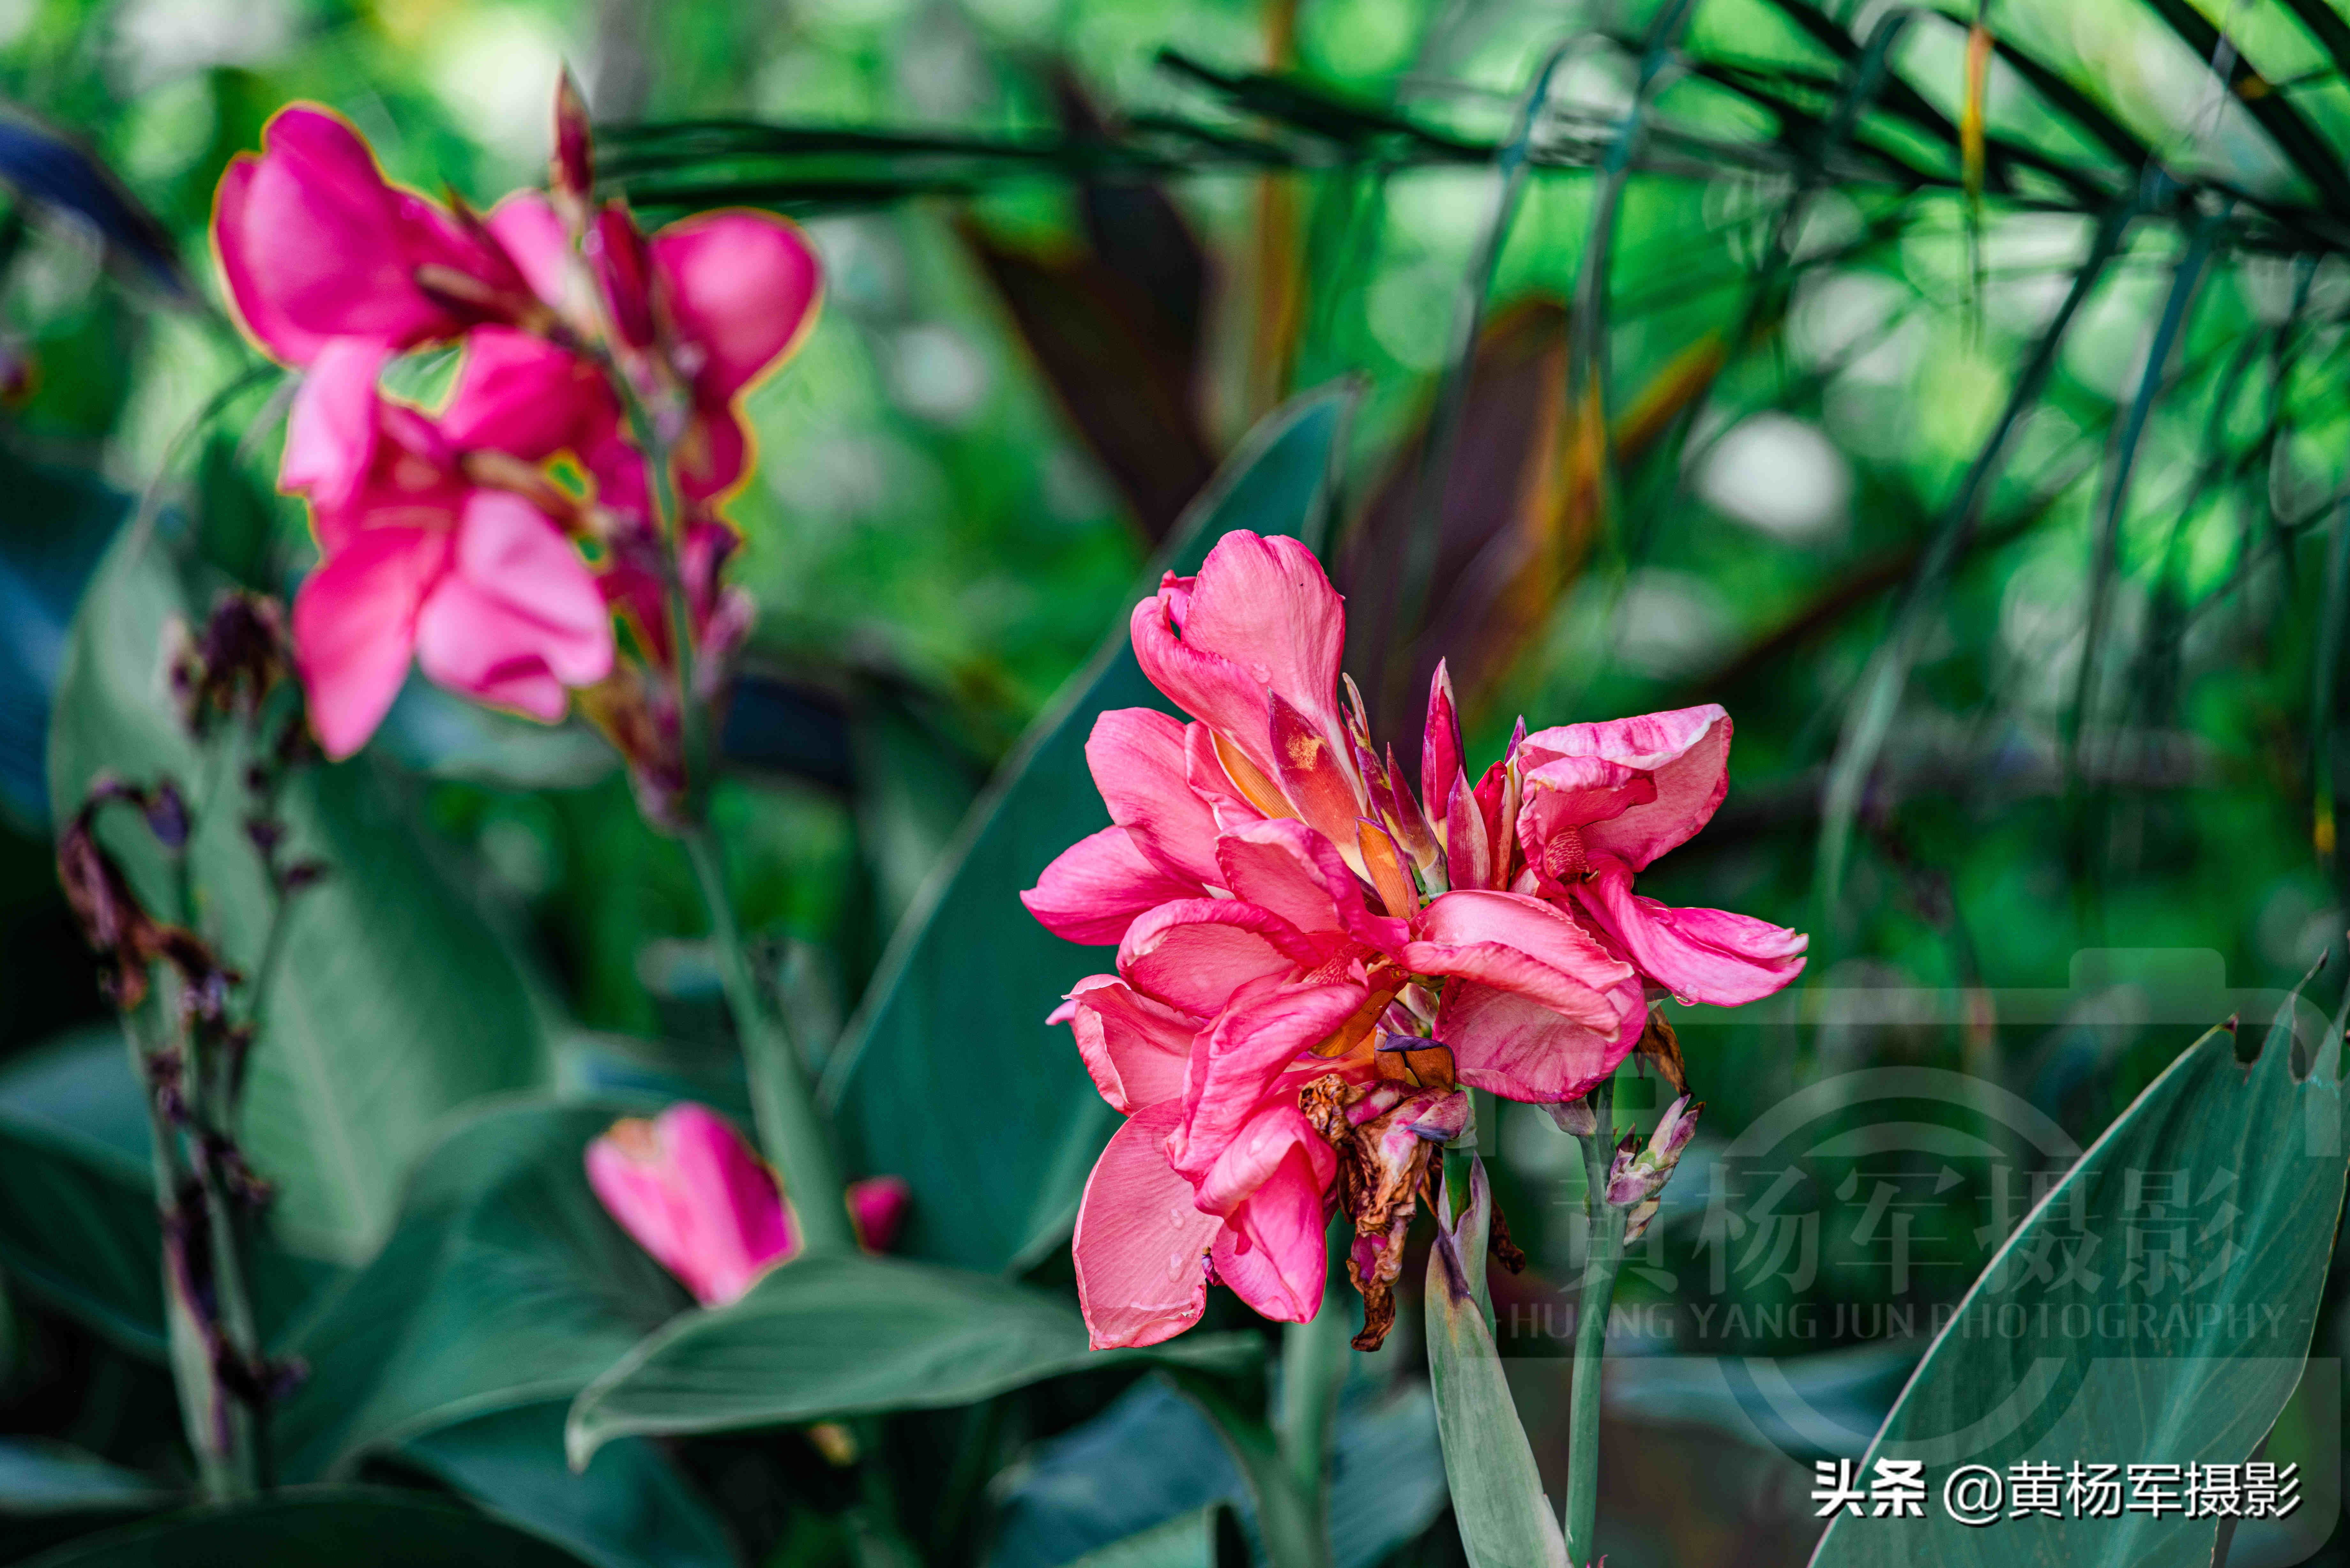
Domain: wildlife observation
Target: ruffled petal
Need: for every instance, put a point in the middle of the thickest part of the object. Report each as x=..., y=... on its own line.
x=1272, y=1251
x=1241, y=1061
x=1137, y=762
x=1141, y=1246
x=518, y=393
x=1092, y=892
x=520, y=619
x=1134, y=1047
x=1520, y=944
x=1698, y=955
x=1512, y=1045
x=1195, y=953
x=1685, y=752
x=354, y=627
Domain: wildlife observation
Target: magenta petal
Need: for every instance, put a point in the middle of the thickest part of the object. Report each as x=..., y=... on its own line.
x=693, y=1193
x=1141, y=1246
x=1260, y=618
x=742, y=290
x=1239, y=1064
x=355, y=629
x=1135, y=1048
x=1285, y=866
x=1194, y=953
x=1698, y=955
x=1137, y=755
x=527, y=227
x=520, y=618
x=234, y=242
x=1273, y=1253
x=1521, y=1050
x=518, y=393
x=1092, y=892
x=1688, y=753
x=331, y=428
x=1521, y=944
x=878, y=1207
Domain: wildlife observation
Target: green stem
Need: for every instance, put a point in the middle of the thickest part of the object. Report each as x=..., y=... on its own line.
x=781, y=1098
x=1600, y=1267
x=1313, y=1360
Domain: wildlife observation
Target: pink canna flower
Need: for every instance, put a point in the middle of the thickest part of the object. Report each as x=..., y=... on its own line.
x=695, y=1195
x=315, y=246
x=1306, y=950
x=478, y=585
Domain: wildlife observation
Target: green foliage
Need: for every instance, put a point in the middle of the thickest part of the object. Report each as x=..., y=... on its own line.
x=1202, y=1539
x=362, y=1527
x=949, y=1075
x=504, y=1285
x=2160, y=1370
x=839, y=1336
x=392, y=1004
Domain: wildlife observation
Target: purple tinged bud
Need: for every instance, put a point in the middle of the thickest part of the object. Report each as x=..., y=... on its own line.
x=1574, y=1117
x=1636, y=1224
x=1445, y=1120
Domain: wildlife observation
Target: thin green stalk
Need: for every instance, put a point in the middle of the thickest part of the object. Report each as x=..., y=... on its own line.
x=781, y=1098
x=1314, y=1359
x=1600, y=1267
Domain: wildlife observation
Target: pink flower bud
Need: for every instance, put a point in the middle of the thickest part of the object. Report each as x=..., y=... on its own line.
x=571, y=169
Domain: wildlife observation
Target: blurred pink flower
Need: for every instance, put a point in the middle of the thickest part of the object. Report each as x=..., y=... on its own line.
x=480, y=586
x=695, y=1195
x=314, y=244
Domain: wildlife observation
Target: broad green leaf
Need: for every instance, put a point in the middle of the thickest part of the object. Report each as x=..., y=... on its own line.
x=1497, y=1496
x=2178, y=1267
x=393, y=1003
x=630, y=1508
x=505, y=1285
x=41, y=1476
x=837, y=1336
x=949, y=1075
x=349, y=1527
x=78, y=1224
x=1205, y=1538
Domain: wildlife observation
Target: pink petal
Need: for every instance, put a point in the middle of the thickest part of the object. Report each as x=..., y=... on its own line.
x=1194, y=953
x=518, y=393
x=1284, y=865
x=1137, y=755
x=1260, y=618
x=354, y=627
x=878, y=1206
x=1272, y=1251
x=1687, y=751
x=520, y=618
x=690, y=1190
x=1134, y=1047
x=234, y=242
x=1141, y=1246
x=527, y=226
x=1097, y=886
x=1698, y=955
x=1237, y=1068
x=716, y=451
x=1520, y=944
x=331, y=428
x=742, y=290
x=1521, y=1050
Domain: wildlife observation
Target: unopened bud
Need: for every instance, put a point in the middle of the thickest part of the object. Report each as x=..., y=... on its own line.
x=1574, y=1117
x=615, y=250
x=571, y=166
x=1638, y=1175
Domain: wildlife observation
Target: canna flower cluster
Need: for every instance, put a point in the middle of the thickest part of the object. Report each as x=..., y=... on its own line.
x=695, y=1195
x=1313, y=959
x=445, y=535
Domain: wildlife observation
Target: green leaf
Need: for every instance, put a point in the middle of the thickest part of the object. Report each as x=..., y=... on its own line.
x=1008, y=1124
x=505, y=1285
x=1205, y=1538
x=40, y=1476
x=837, y=1336
x=630, y=1509
x=78, y=1223
x=393, y=1003
x=1497, y=1496
x=2160, y=1370
x=350, y=1527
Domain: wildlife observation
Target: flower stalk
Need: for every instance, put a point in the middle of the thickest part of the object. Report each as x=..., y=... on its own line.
x=1601, y=1266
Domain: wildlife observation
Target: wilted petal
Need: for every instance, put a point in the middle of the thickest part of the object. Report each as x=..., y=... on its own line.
x=1521, y=944
x=1698, y=955
x=1141, y=1245
x=1687, y=754
x=1134, y=1047
x=520, y=618
x=354, y=627
x=1092, y=892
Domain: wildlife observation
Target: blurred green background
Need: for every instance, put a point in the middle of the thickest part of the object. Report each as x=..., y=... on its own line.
x=1989, y=714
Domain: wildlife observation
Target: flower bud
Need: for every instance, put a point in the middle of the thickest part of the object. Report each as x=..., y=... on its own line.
x=571, y=167
x=1639, y=1174
x=1574, y=1117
